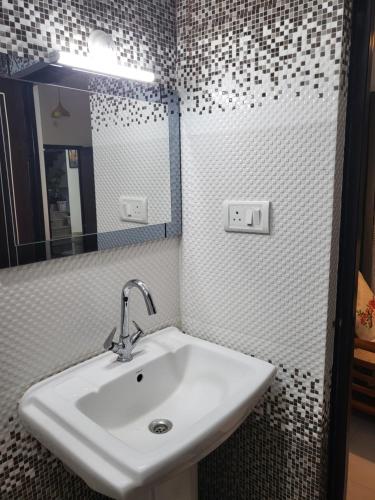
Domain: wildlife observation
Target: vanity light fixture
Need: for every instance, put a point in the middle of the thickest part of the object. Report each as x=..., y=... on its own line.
x=101, y=60
x=101, y=66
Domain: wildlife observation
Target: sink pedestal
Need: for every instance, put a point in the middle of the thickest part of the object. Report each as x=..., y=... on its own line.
x=183, y=486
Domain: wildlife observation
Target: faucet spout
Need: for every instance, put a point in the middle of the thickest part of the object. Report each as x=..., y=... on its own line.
x=125, y=294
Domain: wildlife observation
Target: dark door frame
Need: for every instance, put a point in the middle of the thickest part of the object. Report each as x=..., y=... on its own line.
x=353, y=197
x=367, y=250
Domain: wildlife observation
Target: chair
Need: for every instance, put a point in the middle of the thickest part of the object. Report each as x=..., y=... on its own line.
x=363, y=376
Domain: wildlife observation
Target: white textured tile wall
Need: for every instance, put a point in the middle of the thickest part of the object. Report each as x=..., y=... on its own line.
x=265, y=295
x=278, y=141
x=56, y=313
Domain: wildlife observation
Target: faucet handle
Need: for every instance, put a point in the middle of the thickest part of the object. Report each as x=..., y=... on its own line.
x=108, y=343
x=138, y=334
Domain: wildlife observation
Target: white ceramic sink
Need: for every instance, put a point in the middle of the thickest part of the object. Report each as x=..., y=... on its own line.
x=95, y=416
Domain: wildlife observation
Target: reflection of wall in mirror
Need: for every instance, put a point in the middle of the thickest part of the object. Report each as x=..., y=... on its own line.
x=74, y=130
x=131, y=158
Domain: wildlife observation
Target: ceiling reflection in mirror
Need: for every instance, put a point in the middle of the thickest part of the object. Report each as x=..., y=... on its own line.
x=83, y=162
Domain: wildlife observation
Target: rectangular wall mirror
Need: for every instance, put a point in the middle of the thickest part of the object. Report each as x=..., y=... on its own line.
x=87, y=162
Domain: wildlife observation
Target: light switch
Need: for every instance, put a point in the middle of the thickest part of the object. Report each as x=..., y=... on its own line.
x=133, y=209
x=249, y=217
x=246, y=216
x=256, y=216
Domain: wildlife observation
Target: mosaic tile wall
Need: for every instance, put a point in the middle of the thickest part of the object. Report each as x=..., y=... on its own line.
x=66, y=307
x=263, y=107
x=273, y=455
x=143, y=32
x=244, y=52
x=263, y=91
x=124, y=112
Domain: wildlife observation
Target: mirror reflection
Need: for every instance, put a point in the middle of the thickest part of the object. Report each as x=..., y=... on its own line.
x=81, y=162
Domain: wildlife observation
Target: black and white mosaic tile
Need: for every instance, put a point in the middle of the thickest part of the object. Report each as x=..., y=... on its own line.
x=123, y=111
x=29, y=471
x=155, y=92
x=143, y=32
x=127, y=88
x=279, y=442
x=243, y=52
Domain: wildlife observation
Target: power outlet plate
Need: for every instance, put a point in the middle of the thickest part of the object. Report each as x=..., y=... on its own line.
x=246, y=216
x=133, y=209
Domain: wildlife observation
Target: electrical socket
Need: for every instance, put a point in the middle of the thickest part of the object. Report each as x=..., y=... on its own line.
x=237, y=214
x=246, y=216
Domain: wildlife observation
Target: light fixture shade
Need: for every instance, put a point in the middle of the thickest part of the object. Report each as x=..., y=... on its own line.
x=60, y=111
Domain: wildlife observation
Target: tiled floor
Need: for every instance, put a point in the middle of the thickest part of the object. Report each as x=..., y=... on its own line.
x=361, y=469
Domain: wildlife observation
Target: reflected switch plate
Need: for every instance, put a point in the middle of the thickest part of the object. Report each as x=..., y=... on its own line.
x=134, y=209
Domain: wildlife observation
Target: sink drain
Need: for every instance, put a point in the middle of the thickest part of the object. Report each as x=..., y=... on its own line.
x=160, y=426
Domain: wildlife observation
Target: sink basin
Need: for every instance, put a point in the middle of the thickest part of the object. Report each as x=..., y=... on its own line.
x=96, y=416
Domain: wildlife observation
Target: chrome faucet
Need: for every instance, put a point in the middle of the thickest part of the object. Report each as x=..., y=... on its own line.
x=124, y=347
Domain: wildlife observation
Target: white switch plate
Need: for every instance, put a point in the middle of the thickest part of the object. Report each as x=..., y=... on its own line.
x=247, y=216
x=133, y=209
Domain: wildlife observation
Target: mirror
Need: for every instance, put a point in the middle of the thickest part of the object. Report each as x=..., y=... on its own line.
x=85, y=168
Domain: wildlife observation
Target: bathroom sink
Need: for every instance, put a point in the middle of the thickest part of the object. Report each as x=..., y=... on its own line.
x=121, y=426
